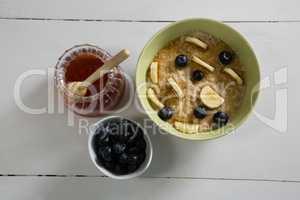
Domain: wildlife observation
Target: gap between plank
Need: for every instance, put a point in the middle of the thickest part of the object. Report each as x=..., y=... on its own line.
x=137, y=21
x=153, y=177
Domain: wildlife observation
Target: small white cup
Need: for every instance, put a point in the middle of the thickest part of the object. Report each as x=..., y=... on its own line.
x=144, y=166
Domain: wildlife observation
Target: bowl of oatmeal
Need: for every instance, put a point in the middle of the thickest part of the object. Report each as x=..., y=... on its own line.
x=198, y=79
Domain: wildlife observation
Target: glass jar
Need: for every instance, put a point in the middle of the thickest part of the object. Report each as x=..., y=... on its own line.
x=76, y=64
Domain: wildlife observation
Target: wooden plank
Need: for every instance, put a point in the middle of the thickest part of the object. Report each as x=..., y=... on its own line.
x=152, y=10
x=45, y=144
x=31, y=188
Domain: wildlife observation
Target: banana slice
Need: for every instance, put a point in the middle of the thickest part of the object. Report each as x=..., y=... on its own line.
x=187, y=128
x=155, y=88
x=234, y=75
x=196, y=42
x=78, y=88
x=176, y=87
x=202, y=63
x=210, y=98
x=154, y=72
x=152, y=96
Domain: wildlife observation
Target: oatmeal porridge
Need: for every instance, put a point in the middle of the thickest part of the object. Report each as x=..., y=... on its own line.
x=196, y=83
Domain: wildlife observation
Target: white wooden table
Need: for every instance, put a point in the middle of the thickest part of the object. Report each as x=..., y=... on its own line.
x=41, y=157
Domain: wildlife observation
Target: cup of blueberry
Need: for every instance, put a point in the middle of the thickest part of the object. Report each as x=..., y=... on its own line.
x=120, y=148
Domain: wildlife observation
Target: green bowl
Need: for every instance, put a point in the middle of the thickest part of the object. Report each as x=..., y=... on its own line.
x=234, y=39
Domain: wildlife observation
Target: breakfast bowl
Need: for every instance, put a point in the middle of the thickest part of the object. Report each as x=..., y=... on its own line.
x=120, y=148
x=234, y=41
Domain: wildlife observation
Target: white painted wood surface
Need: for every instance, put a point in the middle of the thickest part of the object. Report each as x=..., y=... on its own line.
x=263, y=161
x=45, y=144
x=42, y=188
x=265, y=10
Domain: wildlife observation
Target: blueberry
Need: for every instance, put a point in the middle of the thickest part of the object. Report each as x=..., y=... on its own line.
x=225, y=57
x=121, y=169
x=100, y=160
x=141, y=144
x=200, y=112
x=105, y=153
x=114, y=127
x=141, y=158
x=197, y=75
x=132, y=159
x=109, y=165
x=100, y=140
x=131, y=168
x=114, y=134
x=123, y=159
x=133, y=150
x=129, y=132
x=181, y=61
x=109, y=127
x=220, y=118
x=137, y=133
x=125, y=133
x=118, y=148
x=105, y=142
x=165, y=113
x=101, y=132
